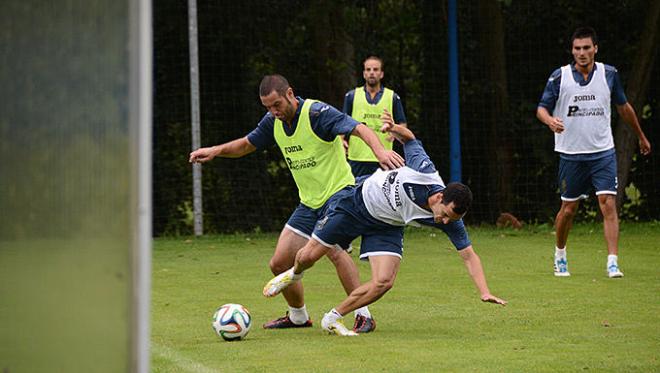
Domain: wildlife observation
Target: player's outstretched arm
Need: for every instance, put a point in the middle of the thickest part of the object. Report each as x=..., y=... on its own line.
x=399, y=132
x=232, y=149
x=476, y=271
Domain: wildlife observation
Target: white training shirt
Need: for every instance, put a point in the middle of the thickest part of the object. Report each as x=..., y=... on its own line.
x=586, y=112
x=386, y=200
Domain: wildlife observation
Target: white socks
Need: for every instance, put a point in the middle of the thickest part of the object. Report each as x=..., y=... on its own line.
x=332, y=316
x=363, y=311
x=561, y=253
x=296, y=276
x=612, y=259
x=298, y=316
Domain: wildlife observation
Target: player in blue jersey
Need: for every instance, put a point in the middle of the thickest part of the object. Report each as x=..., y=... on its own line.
x=306, y=131
x=366, y=104
x=377, y=210
x=576, y=106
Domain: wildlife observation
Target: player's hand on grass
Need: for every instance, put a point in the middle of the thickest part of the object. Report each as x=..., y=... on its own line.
x=489, y=298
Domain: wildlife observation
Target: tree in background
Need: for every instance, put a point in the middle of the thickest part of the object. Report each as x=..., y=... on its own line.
x=636, y=90
x=506, y=50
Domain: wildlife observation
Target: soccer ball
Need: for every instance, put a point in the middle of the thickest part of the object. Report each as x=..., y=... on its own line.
x=231, y=322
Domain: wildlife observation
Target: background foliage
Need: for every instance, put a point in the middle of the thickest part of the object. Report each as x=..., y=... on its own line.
x=507, y=51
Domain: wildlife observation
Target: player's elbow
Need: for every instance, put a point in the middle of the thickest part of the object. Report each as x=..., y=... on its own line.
x=357, y=131
x=626, y=112
x=541, y=112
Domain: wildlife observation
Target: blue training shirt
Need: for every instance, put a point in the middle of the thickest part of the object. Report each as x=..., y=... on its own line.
x=326, y=121
x=397, y=107
x=418, y=160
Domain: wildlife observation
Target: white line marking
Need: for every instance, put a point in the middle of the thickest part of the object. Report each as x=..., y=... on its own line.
x=186, y=364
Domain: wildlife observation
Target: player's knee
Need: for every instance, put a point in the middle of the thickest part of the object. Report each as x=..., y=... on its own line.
x=607, y=201
x=277, y=265
x=334, y=256
x=569, y=209
x=305, y=258
x=383, y=285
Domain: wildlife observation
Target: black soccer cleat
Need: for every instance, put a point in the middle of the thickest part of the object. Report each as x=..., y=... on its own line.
x=285, y=322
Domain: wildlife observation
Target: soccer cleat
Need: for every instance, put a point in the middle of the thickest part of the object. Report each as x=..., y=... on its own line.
x=336, y=327
x=285, y=322
x=278, y=283
x=364, y=324
x=613, y=271
x=561, y=268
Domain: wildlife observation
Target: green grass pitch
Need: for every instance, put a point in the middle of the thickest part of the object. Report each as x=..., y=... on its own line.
x=432, y=320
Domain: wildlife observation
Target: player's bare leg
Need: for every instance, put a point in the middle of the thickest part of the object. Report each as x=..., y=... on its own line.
x=350, y=278
x=288, y=244
x=347, y=271
x=383, y=273
x=564, y=221
x=304, y=259
x=607, y=203
x=310, y=254
x=563, y=224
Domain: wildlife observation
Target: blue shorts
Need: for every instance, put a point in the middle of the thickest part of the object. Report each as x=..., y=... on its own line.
x=303, y=219
x=349, y=219
x=578, y=178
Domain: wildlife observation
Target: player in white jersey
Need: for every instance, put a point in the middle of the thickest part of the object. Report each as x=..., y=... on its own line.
x=377, y=210
x=579, y=97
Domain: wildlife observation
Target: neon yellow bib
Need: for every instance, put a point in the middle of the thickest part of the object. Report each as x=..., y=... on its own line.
x=364, y=112
x=319, y=168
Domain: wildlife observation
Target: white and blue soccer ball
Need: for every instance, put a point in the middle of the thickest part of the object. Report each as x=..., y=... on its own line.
x=232, y=322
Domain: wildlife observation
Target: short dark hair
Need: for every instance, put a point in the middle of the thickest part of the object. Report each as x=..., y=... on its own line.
x=374, y=57
x=583, y=33
x=274, y=82
x=458, y=193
